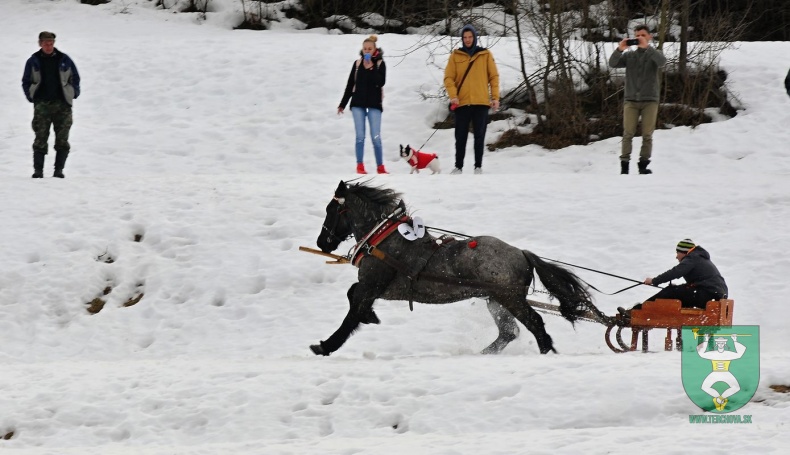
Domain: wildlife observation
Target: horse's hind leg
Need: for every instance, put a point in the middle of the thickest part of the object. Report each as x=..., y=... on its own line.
x=519, y=307
x=507, y=325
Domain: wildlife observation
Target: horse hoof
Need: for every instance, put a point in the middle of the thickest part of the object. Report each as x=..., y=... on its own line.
x=500, y=343
x=492, y=349
x=370, y=318
x=318, y=350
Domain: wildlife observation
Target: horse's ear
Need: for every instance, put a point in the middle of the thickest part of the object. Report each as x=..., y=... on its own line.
x=341, y=189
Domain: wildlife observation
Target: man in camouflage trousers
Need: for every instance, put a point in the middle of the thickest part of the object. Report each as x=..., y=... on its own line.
x=51, y=82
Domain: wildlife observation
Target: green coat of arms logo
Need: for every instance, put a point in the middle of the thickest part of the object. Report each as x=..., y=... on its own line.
x=721, y=367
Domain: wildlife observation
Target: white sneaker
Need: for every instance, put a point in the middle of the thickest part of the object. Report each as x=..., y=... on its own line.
x=478, y=170
x=456, y=171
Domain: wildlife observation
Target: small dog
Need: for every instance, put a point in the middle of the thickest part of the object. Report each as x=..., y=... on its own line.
x=420, y=160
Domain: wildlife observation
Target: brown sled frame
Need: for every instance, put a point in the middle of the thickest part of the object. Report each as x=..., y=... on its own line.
x=667, y=314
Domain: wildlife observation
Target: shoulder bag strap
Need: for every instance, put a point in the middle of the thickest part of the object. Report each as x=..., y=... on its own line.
x=464, y=78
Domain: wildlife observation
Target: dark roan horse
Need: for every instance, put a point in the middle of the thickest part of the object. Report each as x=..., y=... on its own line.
x=396, y=263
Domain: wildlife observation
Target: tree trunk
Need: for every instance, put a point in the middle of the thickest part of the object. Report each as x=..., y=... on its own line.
x=684, y=38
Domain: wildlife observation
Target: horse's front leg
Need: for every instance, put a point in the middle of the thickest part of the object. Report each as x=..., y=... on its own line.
x=349, y=325
x=365, y=317
x=360, y=299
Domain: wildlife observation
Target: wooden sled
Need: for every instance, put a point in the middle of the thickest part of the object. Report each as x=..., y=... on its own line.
x=668, y=314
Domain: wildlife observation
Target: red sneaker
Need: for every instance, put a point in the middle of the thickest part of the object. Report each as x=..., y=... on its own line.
x=361, y=168
x=380, y=169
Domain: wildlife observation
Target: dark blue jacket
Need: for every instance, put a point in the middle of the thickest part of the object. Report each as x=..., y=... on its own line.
x=698, y=270
x=69, y=77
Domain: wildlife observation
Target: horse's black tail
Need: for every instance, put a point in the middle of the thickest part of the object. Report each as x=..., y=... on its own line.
x=563, y=284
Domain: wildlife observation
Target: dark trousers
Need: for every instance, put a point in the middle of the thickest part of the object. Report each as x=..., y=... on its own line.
x=478, y=116
x=689, y=296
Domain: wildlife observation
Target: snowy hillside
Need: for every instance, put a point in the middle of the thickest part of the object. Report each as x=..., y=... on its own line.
x=203, y=157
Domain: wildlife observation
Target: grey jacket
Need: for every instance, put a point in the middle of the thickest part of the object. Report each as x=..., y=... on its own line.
x=641, y=72
x=698, y=270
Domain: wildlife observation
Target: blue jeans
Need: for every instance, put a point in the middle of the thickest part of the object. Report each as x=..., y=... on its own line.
x=374, y=119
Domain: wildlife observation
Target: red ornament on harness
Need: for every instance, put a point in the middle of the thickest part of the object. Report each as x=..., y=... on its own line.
x=472, y=244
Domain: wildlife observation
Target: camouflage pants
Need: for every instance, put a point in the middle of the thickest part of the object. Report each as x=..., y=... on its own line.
x=51, y=113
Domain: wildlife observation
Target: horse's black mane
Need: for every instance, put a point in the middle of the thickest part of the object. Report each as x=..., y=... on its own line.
x=375, y=195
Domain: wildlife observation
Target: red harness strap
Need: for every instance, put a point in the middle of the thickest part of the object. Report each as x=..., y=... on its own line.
x=382, y=233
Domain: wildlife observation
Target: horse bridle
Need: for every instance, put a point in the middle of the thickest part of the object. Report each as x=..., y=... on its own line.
x=340, y=210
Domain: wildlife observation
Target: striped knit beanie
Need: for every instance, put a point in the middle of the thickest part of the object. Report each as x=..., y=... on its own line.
x=685, y=245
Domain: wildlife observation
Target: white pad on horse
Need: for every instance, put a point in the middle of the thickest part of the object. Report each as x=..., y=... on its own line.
x=412, y=233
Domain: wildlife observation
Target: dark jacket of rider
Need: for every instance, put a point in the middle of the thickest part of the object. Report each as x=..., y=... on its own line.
x=698, y=270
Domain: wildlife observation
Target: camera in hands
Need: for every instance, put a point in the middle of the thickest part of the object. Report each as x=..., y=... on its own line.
x=632, y=42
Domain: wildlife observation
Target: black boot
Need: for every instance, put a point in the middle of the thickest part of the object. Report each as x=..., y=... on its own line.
x=643, y=167
x=38, y=164
x=624, y=316
x=624, y=167
x=60, y=163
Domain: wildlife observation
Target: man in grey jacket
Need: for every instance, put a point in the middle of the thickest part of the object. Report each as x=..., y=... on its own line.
x=51, y=82
x=641, y=94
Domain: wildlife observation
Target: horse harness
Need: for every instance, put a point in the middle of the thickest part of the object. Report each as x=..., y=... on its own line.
x=368, y=246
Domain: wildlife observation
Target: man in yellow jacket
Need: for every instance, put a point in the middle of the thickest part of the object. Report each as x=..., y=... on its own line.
x=479, y=92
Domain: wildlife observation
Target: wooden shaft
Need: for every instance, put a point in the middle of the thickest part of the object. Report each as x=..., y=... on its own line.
x=337, y=258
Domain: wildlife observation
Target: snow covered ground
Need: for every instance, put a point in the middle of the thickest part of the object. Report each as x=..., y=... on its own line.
x=203, y=157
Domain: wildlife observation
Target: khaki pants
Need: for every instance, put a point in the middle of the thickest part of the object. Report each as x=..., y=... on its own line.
x=632, y=110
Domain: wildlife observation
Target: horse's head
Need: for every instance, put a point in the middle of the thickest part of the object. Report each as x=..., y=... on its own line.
x=337, y=224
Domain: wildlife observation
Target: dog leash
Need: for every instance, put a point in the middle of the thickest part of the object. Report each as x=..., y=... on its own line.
x=429, y=138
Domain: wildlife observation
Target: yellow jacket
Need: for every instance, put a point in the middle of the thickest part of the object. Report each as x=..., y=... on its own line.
x=483, y=75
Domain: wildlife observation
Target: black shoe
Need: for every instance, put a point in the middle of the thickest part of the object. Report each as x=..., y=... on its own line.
x=38, y=174
x=643, y=167
x=59, y=174
x=624, y=167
